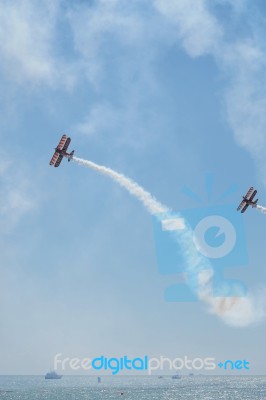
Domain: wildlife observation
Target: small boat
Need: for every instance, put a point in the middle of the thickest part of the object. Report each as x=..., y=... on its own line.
x=52, y=375
x=176, y=376
x=99, y=379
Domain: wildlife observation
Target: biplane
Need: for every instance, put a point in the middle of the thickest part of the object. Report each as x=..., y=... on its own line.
x=248, y=200
x=61, y=151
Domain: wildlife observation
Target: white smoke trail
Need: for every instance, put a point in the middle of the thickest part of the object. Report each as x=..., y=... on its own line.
x=152, y=205
x=235, y=311
x=261, y=209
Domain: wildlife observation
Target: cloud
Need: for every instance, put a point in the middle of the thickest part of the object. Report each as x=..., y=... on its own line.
x=28, y=39
x=16, y=198
x=101, y=117
x=245, y=99
x=25, y=40
x=197, y=26
x=58, y=45
x=241, y=60
x=105, y=32
x=104, y=119
x=198, y=29
x=239, y=311
x=98, y=33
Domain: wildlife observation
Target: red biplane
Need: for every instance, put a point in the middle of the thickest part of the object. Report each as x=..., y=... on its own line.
x=61, y=151
x=248, y=200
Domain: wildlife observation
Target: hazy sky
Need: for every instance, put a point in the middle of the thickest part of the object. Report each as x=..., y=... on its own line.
x=162, y=91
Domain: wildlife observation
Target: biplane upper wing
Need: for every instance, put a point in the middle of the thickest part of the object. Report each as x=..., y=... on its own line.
x=58, y=162
x=241, y=205
x=253, y=195
x=67, y=143
x=249, y=192
x=54, y=159
x=244, y=209
x=62, y=142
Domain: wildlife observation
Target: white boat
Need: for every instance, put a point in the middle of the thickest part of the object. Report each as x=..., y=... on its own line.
x=52, y=375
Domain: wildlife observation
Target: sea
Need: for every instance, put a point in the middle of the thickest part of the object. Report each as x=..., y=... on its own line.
x=133, y=388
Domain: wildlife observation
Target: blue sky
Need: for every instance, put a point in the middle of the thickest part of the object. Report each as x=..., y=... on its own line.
x=163, y=92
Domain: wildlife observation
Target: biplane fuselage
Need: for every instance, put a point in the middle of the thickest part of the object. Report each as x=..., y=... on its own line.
x=250, y=202
x=61, y=151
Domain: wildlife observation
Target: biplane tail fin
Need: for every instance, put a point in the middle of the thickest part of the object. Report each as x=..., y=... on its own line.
x=70, y=157
x=255, y=203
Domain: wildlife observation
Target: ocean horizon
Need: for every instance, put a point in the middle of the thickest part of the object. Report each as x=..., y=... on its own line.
x=197, y=387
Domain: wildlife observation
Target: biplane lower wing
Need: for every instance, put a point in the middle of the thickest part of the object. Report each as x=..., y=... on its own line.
x=54, y=158
x=244, y=209
x=58, y=162
x=240, y=205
